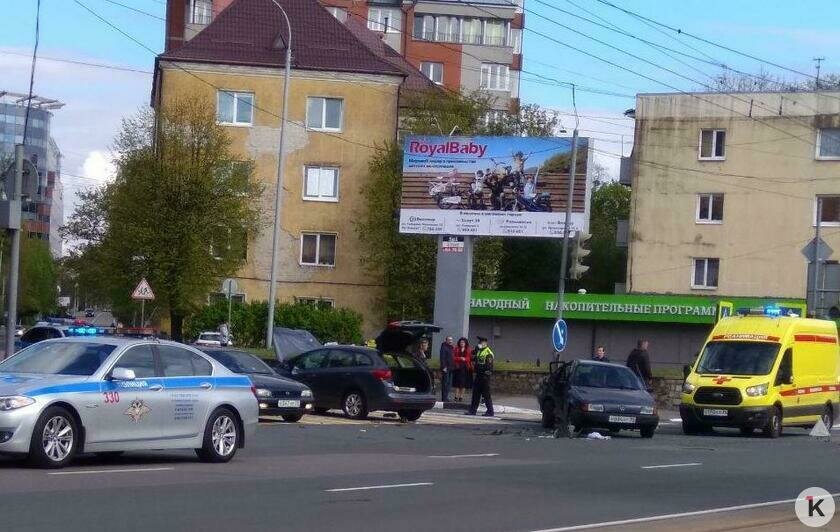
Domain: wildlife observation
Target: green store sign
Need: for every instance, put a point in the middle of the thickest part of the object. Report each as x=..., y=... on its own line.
x=614, y=307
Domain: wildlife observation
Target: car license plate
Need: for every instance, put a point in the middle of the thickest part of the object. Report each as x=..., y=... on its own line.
x=286, y=403
x=622, y=419
x=715, y=412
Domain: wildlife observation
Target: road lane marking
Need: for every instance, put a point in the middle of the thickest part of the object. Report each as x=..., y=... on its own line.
x=382, y=487
x=690, y=464
x=665, y=517
x=465, y=455
x=103, y=471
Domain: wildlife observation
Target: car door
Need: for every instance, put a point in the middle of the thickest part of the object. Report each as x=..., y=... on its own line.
x=786, y=381
x=308, y=368
x=132, y=412
x=188, y=386
x=338, y=375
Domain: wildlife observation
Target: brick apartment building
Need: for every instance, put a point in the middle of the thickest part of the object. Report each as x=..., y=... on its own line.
x=462, y=45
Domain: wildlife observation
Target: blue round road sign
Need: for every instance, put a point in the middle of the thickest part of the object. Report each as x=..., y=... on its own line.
x=560, y=335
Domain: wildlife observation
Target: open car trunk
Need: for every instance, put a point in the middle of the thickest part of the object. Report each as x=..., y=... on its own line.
x=409, y=375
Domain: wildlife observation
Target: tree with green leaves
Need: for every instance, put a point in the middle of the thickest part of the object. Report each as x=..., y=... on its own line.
x=607, y=262
x=38, y=290
x=178, y=213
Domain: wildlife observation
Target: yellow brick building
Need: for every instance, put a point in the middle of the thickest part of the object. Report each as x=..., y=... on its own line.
x=343, y=100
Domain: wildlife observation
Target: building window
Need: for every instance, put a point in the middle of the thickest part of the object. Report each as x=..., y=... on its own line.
x=383, y=19
x=433, y=71
x=709, y=208
x=705, y=275
x=494, y=32
x=495, y=76
x=317, y=249
x=493, y=116
x=516, y=40
x=338, y=12
x=830, y=210
x=236, y=299
x=320, y=183
x=201, y=11
x=320, y=302
x=324, y=113
x=235, y=108
x=828, y=143
x=713, y=144
x=472, y=31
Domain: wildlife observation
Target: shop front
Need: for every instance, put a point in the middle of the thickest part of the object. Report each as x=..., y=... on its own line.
x=518, y=324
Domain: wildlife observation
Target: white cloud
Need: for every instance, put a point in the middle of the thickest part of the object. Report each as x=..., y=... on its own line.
x=98, y=166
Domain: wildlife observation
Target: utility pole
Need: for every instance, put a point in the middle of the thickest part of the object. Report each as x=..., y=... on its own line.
x=278, y=197
x=564, y=258
x=818, y=61
x=14, y=253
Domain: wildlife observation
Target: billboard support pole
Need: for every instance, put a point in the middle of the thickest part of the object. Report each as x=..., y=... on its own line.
x=564, y=258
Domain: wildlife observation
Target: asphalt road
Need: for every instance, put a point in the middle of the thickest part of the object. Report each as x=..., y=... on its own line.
x=330, y=474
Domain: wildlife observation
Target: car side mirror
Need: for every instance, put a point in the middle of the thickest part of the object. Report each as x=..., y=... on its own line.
x=122, y=374
x=686, y=371
x=789, y=379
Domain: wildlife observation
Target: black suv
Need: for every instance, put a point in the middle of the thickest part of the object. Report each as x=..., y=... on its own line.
x=359, y=380
x=586, y=394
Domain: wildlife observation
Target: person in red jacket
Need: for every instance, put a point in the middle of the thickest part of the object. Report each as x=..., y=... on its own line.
x=462, y=355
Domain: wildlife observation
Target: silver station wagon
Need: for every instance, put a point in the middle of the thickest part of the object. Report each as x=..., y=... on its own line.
x=62, y=397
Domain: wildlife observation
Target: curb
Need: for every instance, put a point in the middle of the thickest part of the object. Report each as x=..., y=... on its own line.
x=497, y=409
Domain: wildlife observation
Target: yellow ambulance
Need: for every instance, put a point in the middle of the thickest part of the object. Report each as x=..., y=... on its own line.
x=762, y=370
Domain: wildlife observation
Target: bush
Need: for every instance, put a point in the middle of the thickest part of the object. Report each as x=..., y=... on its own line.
x=248, y=322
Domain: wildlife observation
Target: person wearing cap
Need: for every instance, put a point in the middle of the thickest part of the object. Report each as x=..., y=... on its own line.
x=483, y=363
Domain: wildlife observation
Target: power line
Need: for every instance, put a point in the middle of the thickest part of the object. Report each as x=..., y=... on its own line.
x=135, y=10
x=78, y=62
x=701, y=39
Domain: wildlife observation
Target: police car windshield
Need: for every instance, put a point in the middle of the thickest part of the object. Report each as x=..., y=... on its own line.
x=59, y=358
x=598, y=376
x=239, y=362
x=738, y=358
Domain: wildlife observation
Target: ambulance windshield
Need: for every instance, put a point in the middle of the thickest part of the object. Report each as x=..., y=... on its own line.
x=738, y=358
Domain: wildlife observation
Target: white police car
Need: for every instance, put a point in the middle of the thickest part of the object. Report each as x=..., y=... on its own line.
x=62, y=397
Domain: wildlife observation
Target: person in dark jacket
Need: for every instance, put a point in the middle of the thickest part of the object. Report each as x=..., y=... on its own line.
x=600, y=354
x=639, y=362
x=447, y=365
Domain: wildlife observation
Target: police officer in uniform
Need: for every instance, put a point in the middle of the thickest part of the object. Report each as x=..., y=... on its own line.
x=483, y=362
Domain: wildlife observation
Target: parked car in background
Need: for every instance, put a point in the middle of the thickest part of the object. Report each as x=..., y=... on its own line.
x=277, y=395
x=212, y=339
x=90, y=313
x=19, y=330
x=585, y=394
x=359, y=380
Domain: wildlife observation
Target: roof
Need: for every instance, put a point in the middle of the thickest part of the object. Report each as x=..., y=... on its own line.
x=415, y=80
x=254, y=33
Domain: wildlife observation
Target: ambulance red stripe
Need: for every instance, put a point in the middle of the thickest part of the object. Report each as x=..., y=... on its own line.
x=809, y=390
x=818, y=338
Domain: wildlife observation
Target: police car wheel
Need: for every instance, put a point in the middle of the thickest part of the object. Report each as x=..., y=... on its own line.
x=773, y=428
x=221, y=437
x=55, y=439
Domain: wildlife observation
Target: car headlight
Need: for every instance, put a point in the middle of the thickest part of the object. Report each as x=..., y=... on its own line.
x=589, y=407
x=648, y=410
x=13, y=402
x=262, y=392
x=758, y=390
x=688, y=388
x=306, y=393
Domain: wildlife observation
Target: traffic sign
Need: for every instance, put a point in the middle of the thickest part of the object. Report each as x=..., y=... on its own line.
x=810, y=250
x=229, y=287
x=560, y=335
x=143, y=292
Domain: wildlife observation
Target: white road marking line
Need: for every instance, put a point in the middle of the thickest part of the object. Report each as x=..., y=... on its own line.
x=690, y=464
x=675, y=420
x=486, y=455
x=666, y=517
x=385, y=486
x=103, y=471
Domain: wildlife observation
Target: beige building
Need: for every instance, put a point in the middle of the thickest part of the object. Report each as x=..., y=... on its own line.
x=725, y=188
x=343, y=100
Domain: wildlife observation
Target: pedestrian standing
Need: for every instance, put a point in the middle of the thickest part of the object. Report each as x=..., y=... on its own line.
x=423, y=350
x=447, y=365
x=639, y=362
x=224, y=334
x=600, y=354
x=462, y=355
x=483, y=375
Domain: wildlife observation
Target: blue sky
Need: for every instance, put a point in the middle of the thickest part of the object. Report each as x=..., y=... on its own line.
x=789, y=33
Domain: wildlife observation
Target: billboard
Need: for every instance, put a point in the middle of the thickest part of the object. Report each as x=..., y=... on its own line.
x=493, y=186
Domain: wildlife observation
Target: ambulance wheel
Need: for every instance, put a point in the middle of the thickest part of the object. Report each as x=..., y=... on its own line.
x=773, y=428
x=828, y=417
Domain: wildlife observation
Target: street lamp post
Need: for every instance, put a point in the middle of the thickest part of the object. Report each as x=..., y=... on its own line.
x=272, y=289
